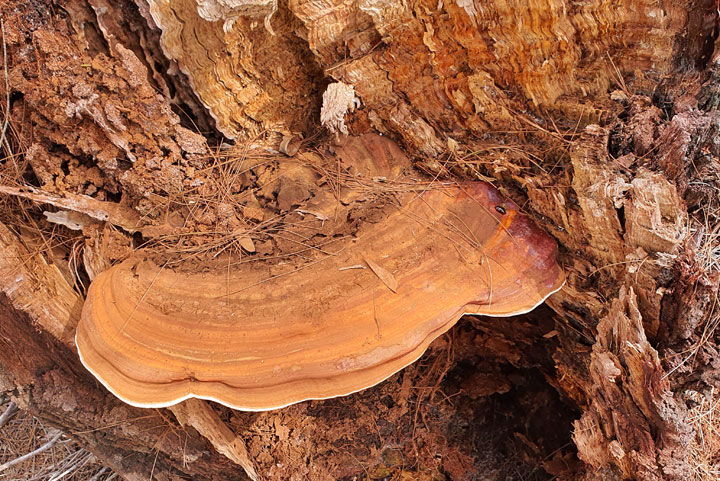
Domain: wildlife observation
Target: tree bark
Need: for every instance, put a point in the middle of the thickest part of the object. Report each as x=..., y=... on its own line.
x=597, y=118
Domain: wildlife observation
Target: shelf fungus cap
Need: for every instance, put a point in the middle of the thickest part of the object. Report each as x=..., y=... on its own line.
x=329, y=327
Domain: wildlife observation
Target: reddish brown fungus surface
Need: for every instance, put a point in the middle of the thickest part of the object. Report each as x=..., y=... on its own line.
x=338, y=319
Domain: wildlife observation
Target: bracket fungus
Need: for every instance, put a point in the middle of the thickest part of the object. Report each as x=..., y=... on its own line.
x=255, y=338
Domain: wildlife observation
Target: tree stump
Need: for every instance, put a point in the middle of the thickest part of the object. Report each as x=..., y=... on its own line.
x=162, y=127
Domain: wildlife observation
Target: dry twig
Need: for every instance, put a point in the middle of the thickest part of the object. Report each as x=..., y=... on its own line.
x=10, y=411
x=32, y=454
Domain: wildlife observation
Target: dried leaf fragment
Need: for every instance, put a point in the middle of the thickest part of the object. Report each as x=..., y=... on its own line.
x=247, y=244
x=383, y=274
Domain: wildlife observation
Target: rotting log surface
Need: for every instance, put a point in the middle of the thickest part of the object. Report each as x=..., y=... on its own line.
x=506, y=91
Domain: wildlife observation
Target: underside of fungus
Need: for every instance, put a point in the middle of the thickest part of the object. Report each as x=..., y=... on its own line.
x=263, y=335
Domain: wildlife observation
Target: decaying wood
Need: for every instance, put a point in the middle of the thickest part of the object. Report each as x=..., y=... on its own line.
x=197, y=413
x=598, y=118
x=544, y=51
x=85, y=206
x=631, y=400
x=38, y=288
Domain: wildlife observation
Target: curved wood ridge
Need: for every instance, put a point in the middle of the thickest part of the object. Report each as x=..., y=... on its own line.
x=320, y=329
